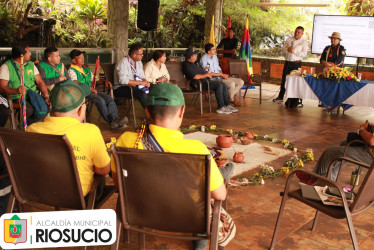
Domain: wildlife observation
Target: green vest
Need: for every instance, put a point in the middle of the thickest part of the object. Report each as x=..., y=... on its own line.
x=49, y=71
x=83, y=78
x=14, y=80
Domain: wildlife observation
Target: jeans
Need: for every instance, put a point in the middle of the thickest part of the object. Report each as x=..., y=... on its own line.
x=105, y=104
x=124, y=91
x=219, y=88
x=358, y=153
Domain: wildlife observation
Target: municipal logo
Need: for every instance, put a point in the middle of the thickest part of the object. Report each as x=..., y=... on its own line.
x=15, y=230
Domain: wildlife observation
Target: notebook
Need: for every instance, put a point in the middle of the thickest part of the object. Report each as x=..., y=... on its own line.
x=309, y=192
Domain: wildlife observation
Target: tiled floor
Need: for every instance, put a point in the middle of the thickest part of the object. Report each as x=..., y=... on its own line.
x=255, y=208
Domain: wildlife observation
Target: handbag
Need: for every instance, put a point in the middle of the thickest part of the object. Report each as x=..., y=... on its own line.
x=38, y=103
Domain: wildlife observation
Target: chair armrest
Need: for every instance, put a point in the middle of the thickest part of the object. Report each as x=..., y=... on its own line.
x=359, y=163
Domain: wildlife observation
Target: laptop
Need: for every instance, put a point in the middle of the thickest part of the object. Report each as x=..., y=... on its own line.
x=309, y=192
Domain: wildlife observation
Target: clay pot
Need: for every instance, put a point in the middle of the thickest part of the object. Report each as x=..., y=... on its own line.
x=245, y=140
x=250, y=135
x=221, y=163
x=224, y=141
x=238, y=157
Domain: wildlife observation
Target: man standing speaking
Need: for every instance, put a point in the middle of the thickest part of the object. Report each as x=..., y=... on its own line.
x=295, y=49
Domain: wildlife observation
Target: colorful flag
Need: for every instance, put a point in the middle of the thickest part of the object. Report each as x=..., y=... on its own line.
x=228, y=27
x=96, y=72
x=245, y=49
x=212, y=38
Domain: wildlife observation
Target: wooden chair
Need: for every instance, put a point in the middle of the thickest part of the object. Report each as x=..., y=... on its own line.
x=177, y=77
x=364, y=198
x=40, y=178
x=14, y=109
x=109, y=71
x=166, y=195
x=238, y=68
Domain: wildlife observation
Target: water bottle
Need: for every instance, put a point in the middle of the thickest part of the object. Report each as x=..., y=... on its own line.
x=354, y=177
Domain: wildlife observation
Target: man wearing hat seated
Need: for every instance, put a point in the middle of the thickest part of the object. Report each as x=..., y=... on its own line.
x=194, y=72
x=334, y=54
x=105, y=104
x=68, y=101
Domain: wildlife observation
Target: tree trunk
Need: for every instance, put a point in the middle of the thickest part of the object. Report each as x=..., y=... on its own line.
x=118, y=19
x=213, y=7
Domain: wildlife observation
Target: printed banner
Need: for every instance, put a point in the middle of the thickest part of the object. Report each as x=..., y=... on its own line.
x=58, y=229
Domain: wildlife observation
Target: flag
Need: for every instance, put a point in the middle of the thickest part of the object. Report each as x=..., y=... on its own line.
x=212, y=38
x=228, y=27
x=96, y=72
x=245, y=49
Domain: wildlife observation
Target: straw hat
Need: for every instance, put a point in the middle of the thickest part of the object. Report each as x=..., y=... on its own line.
x=336, y=35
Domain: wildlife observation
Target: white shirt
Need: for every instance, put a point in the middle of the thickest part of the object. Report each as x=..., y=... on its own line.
x=152, y=72
x=4, y=72
x=301, y=49
x=123, y=71
x=213, y=63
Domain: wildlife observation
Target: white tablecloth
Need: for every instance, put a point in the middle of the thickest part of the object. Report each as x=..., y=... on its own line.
x=297, y=87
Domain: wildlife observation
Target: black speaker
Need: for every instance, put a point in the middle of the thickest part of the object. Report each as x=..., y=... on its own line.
x=148, y=14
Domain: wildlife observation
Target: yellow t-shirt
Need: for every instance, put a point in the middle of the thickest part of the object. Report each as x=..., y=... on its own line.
x=172, y=141
x=86, y=140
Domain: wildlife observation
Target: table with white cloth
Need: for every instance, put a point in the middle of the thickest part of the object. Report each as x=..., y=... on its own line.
x=332, y=94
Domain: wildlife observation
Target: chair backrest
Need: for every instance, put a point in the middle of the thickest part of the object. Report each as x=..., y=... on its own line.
x=176, y=74
x=164, y=191
x=239, y=67
x=42, y=169
x=108, y=69
x=256, y=66
x=365, y=194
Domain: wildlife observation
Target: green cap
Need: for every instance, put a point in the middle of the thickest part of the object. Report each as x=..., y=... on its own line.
x=68, y=95
x=165, y=94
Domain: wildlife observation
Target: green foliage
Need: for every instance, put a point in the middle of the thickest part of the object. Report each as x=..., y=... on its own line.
x=92, y=9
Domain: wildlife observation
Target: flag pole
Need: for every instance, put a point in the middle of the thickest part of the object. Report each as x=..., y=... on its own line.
x=97, y=71
x=23, y=102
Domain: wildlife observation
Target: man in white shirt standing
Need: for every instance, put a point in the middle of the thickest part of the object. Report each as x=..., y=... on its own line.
x=209, y=62
x=295, y=49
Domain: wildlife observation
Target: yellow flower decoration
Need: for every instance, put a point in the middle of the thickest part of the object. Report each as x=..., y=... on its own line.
x=213, y=127
x=229, y=130
x=301, y=163
x=285, y=141
x=286, y=170
x=108, y=145
x=192, y=127
x=113, y=140
x=315, y=75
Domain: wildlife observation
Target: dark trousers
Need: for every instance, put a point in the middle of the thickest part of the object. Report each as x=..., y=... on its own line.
x=124, y=91
x=288, y=67
x=105, y=105
x=219, y=88
x=4, y=114
x=30, y=118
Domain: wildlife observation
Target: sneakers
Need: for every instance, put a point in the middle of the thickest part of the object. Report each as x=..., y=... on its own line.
x=119, y=123
x=224, y=110
x=231, y=108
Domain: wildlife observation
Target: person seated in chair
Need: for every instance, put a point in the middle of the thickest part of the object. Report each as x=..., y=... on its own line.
x=209, y=62
x=129, y=74
x=105, y=104
x=52, y=70
x=155, y=70
x=334, y=54
x=68, y=112
x=10, y=82
x=356, y=152
x=194, y=72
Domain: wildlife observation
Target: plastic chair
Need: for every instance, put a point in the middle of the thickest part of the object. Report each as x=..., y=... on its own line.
x=177, y=77
x=364, y=198
x=162, y=194
x=238, y=68
x=40, y=177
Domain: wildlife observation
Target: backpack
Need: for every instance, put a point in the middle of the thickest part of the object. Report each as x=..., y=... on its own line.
x=293, y=103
